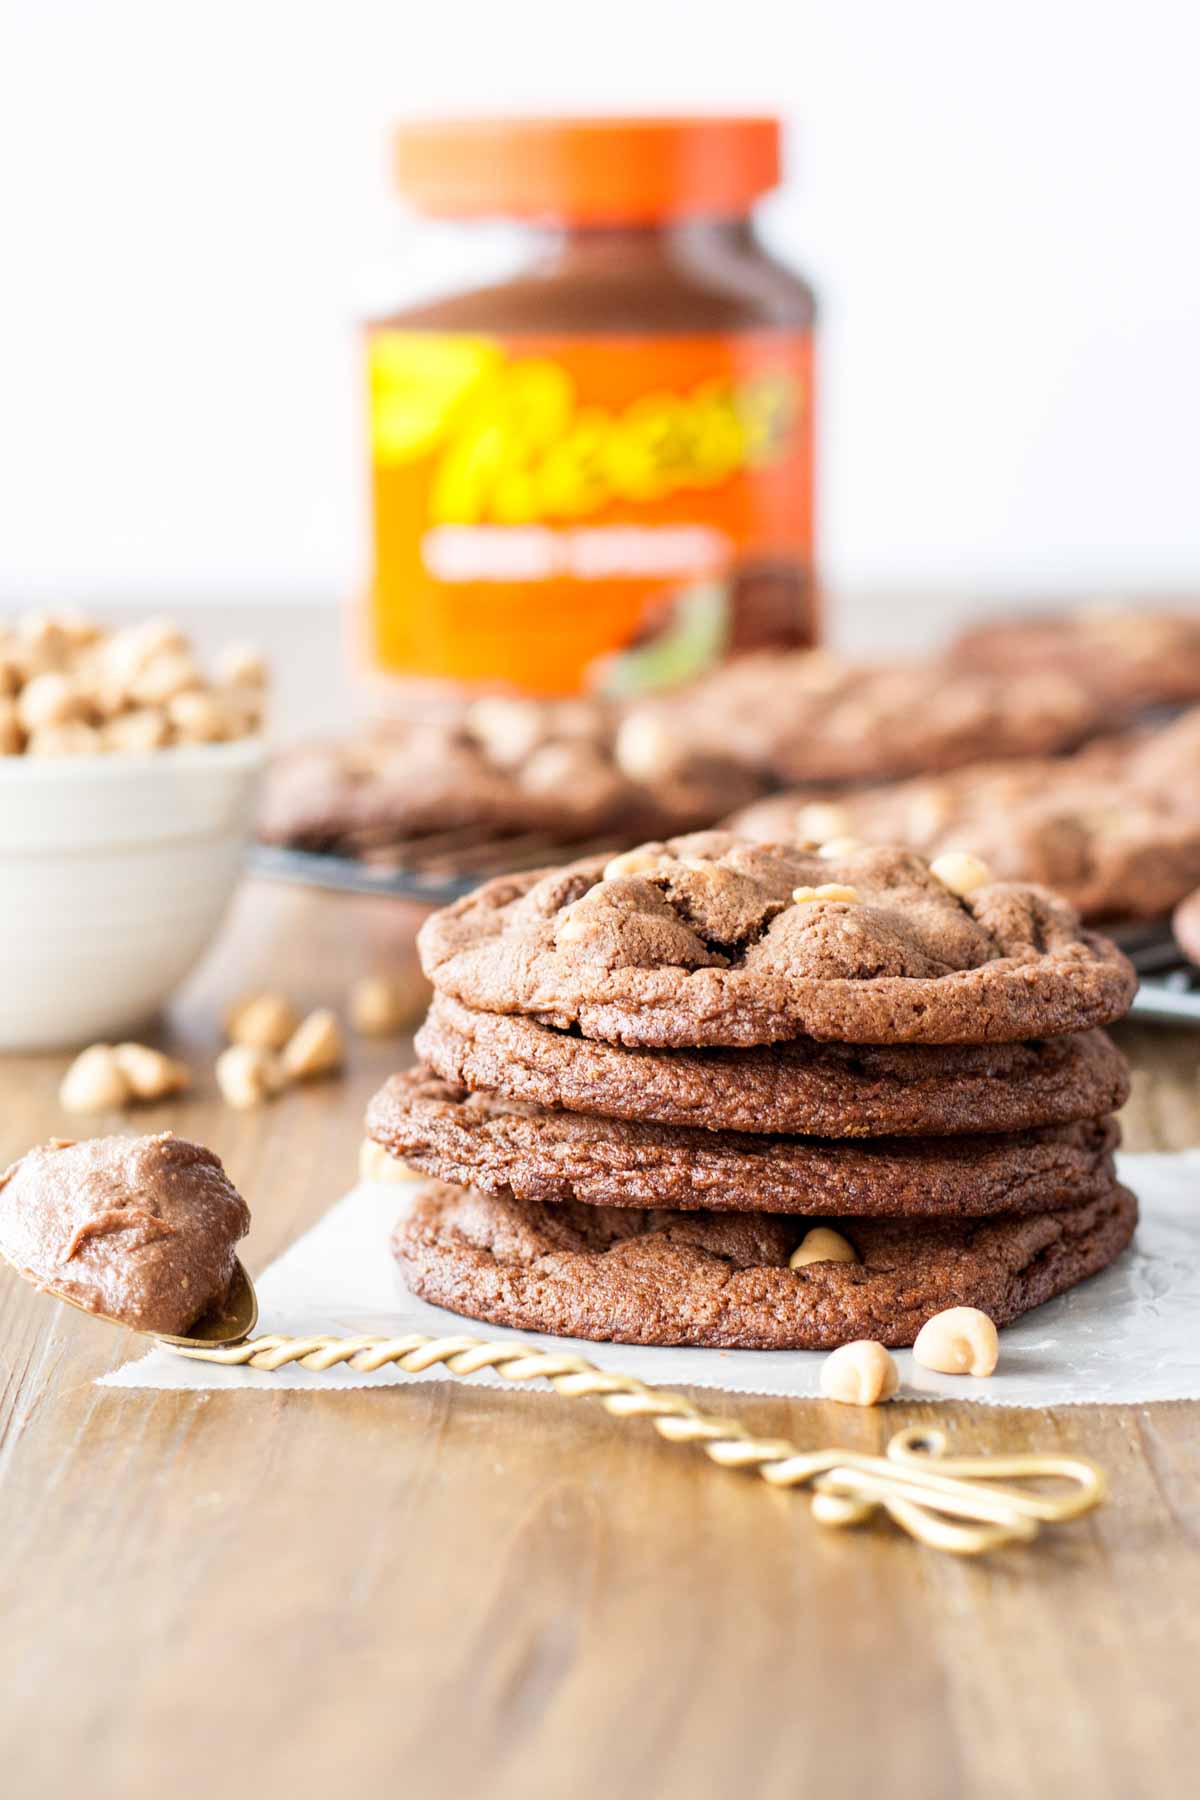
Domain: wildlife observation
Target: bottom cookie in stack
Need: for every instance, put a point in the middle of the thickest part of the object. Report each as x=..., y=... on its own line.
x=723, y=1280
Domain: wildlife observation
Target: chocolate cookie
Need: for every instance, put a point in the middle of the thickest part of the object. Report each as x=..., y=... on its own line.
x=808, y=716
x=637, y=1277
x=506, y=767
x=140, y=1229
x=484, y=1141
x=710, y=939
x=829, y=1090
x=1143, y=657
x=1080, y=826
x=1186, y=926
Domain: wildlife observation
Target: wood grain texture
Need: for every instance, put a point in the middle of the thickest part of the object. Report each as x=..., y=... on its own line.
x=448, y=1591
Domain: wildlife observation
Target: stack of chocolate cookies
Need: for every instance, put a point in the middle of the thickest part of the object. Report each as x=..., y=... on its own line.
x=647, y=1082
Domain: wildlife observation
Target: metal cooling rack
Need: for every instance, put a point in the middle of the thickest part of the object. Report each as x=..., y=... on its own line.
x=436, y=870
x=1170, y=984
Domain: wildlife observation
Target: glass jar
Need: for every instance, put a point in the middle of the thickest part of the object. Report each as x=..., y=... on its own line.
x=592, y=426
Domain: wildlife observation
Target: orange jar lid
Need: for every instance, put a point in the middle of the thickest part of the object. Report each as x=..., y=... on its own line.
x=589, y=171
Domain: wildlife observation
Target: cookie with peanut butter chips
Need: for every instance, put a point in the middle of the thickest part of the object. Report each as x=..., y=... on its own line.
x=632, y=1275
x=713, y=940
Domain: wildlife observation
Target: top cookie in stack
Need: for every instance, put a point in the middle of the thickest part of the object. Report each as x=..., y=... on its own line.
x=712, y=940
x=645, y=1078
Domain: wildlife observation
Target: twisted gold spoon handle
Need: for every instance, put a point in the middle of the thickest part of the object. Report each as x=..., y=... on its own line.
x=949, y=1503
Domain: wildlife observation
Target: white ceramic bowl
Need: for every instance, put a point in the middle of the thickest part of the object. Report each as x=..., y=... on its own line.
x=115, y=871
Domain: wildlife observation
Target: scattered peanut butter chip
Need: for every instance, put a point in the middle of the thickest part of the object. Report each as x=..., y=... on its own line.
x=859, y=1374
x=314, y=1048
x=375, y=1164
x=95, y=1082
x=151, y=1074
x=263, y=1020
x=960, y=1341
x=248, y=1075
x=382, y=1005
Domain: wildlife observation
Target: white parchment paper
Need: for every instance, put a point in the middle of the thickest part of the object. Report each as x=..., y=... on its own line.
x=1130, y=1334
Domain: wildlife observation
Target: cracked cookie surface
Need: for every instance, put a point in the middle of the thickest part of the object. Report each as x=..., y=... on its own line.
x=713, y=940
x=721, y=1280
x=481, y=1140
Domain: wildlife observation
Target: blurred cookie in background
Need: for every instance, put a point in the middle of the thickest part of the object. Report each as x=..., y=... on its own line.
x=1139, y=658
x=1115, y=827
x=506, y=768
x=811, y=716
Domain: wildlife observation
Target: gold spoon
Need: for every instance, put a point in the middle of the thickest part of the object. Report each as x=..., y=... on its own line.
x=229, y=1324
x=948, y=1503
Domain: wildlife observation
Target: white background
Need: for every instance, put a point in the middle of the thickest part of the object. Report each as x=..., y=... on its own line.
x=997, y=201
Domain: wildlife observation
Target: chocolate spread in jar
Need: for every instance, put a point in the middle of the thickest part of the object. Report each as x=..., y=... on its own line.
x=141, y=1230
x=592, y=461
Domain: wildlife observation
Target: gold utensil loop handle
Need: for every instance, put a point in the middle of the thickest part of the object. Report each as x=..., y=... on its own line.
x=950, y=1503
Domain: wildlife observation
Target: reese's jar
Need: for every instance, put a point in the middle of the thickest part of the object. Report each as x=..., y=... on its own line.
x=592, y=442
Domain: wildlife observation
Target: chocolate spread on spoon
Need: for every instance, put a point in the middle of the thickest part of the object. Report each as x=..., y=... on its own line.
x=142, y=1230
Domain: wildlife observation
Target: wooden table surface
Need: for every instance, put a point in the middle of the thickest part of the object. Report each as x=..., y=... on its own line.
x=442, y=1590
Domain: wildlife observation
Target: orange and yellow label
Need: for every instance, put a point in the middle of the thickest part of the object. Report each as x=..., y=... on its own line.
x=570, y=514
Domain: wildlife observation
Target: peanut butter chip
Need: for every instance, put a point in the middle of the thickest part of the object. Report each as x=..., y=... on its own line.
x=95, y=1082
x=315, y=1047
x=248, y=1076
x=821, y=820
x=50, y=699
x=960, y=1341
x=11, y=737
x=633, y=862
x=960, y=872
x=829, y=890
x=374, y=1164
x=859, y=1374
x=382, y=1005
x=646, y=749
x=572, y=929
x=242, y=666
x=68, y=689
x=264, y=1021
x=822, y=1245
x=71, y=738
x=150, y=1074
